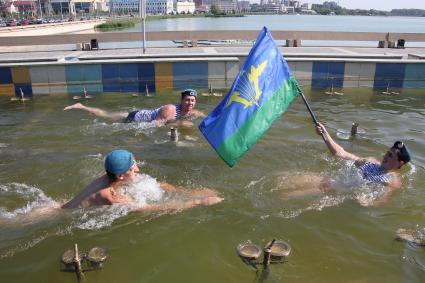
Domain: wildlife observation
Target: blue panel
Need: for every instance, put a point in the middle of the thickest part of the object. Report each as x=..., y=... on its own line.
x=190, y=75
x=129, y=72
x=74, y=73
x=414, y=76
x=389, y=75
x=26, y=88
x=5, y=75
x=146, y=77
x=110, y=72
x=111, y=87
x=130, y=87
x=326, y=74
x=92, y=73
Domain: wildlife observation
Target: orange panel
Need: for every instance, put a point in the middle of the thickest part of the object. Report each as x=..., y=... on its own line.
x=20, y=75
x=7, y=89
x=163, y=77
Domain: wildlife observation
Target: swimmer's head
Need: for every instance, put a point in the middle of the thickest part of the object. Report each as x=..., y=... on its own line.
x=190, y=92
x=403, y=151
x=118, y=162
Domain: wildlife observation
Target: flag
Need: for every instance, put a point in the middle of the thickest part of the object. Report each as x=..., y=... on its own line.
x=261, y=92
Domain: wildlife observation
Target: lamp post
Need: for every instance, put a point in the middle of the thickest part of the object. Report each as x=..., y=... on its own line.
x=41, y=12
x=142, y=13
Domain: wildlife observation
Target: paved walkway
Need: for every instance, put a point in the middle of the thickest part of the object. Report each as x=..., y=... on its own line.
x=49, y=29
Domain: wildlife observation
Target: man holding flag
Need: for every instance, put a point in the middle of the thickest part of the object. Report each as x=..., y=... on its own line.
x=261, y=92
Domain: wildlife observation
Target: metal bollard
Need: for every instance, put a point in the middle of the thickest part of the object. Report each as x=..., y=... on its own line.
x=174, y=135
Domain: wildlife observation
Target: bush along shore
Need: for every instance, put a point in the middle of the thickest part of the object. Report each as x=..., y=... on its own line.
x=117, y=24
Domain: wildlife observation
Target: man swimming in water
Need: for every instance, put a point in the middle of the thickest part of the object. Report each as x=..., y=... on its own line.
x=164, y=114
x=371, y=169
x=121, y=169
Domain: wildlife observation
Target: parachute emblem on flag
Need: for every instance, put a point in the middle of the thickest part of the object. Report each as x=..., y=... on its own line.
x=247, y=91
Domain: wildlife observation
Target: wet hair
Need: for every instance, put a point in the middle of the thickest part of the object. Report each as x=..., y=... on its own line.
x=112, y=177
x=402, y=151
x=190, y=92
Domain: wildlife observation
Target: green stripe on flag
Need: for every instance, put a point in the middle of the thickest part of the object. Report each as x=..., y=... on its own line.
x=259, y=122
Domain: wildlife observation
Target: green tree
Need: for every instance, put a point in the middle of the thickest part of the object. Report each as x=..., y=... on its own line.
x=215, y=10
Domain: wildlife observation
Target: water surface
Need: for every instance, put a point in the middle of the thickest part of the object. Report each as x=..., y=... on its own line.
x=47, y=156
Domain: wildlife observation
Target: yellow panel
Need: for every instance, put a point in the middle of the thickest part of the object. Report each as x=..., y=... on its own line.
x=20, y=75
x=163, y=77
x=7, y=89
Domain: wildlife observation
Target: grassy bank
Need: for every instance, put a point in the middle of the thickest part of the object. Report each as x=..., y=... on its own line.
x=117, y=24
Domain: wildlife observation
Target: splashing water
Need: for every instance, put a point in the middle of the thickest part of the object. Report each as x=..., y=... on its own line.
x=143, y=191
x=15, y=193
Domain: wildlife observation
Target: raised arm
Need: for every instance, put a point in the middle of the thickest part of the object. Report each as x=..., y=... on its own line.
x=333, y=147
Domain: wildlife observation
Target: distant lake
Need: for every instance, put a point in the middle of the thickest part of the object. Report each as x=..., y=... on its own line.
x=288, y=22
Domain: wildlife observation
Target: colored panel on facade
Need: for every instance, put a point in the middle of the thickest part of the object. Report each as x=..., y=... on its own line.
x=5, y=75
x=190, y=75
x=74, y=73
x=26, y=89
x=326, y=74
x=217, y=74
x=7, y=89
x=414, y=76
x=367, y=74
x=389, y=75
x=110, y=77
x=93, y=73
x=163, y=77
x=40, y=89
x=147, y=77
x=302, y=71
x=352, y=75
x=20, y=75
x=56, y=74
x=38, y=74
x=232, y=70
x=129, y=77
x=58, y=88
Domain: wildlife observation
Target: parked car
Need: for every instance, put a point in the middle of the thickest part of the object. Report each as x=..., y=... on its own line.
x=2, y=23
x=11, y=23
x=24, y=22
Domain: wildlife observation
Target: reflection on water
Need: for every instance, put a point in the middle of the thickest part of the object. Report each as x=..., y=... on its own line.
x=47, y=156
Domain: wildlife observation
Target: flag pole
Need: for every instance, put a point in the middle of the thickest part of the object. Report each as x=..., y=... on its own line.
x=311, y=111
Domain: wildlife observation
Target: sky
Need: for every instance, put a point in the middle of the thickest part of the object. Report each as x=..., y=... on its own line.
x=384, y=5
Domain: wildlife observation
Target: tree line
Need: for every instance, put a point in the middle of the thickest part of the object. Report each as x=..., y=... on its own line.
x=332, y=8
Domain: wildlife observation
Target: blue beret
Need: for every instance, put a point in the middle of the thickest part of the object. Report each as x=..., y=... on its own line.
x=190, y=92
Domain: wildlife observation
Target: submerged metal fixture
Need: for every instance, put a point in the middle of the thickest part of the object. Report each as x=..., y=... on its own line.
x=21, y=96
x=85, y=95
x=354, y=128
x=388, y=92
x=274, y=252
x=79, y=262
x=174, y=134
x=332, y=91
x=354, y=132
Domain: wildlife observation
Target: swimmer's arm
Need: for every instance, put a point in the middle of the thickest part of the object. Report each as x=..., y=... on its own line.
x=181, y=205
x=333, y=147
x=205, y=192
